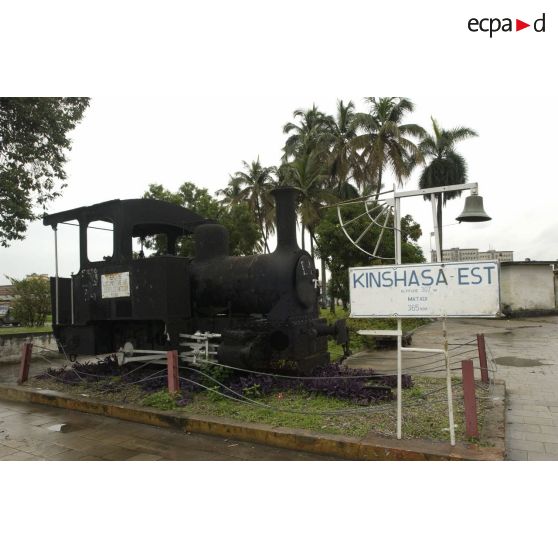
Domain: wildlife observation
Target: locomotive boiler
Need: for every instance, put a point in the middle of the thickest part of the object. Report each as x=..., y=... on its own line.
x=264, y=307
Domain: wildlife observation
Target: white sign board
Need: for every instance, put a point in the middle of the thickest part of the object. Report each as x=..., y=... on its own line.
x=453, y=289
x=114, y=285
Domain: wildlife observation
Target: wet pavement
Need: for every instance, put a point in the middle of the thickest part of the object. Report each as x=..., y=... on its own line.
x=25, y=434
x=41, y=360
x=522, y=352
x=28, y=432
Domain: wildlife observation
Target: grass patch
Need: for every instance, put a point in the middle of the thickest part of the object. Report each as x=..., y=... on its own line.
x=47, y=328
x=425, y=414
x=162, y=400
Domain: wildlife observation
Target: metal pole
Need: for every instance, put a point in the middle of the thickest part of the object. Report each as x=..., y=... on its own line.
x=448, y=384
x=72, y=295
x=444, y=327
x=56, y=273
x=436, y=229
x=399, y=380
x=397, y=218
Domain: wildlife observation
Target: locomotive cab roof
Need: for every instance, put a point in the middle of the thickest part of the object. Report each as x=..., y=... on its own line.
x=131, y=218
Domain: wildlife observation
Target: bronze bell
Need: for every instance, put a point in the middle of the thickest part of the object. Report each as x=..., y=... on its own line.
x=473, y=212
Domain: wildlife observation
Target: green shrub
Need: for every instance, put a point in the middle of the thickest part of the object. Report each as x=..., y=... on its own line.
x=162, y=400
x=32, y=300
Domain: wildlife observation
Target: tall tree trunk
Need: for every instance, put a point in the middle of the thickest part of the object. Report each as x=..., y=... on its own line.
x=302, y=235
x=314, y=242
x=262, y=228
x=379, y=187
x=312, y=245
x=266, y=239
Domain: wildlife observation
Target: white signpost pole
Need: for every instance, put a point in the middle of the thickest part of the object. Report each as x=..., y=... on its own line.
x=444, y=322
x=397, y=219
x=448, y=384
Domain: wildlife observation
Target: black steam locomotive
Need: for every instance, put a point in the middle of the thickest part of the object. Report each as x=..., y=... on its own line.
x=264, y=307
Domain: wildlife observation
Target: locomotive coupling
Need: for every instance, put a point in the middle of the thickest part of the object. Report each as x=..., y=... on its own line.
x=338, y=331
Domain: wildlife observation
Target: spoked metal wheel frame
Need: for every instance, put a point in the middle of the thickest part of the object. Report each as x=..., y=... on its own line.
x=375, y=214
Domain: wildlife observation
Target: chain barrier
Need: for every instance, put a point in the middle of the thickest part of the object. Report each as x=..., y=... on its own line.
x=231, y=394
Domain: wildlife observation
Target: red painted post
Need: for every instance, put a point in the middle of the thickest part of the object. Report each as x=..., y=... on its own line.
x=470, y=402
x=25, y=362
x=172, y=371
x=482, y=358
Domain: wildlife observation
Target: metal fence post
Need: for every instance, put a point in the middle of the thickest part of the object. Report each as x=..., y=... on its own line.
x=172, y=371
x=25, y=362
x=470, y=402
x=482, y=357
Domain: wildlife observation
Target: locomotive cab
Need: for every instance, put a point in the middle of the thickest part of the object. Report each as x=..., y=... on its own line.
x=124, y=297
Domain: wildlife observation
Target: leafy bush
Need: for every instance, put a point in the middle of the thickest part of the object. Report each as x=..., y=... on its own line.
x=162, y=400
x=214, y=371
x=361, y=386
x=334, y=380
x=32, y=300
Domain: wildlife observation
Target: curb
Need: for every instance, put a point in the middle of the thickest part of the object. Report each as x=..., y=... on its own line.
x=368, y=448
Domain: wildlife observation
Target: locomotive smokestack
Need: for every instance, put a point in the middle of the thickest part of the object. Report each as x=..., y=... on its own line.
x=285, y=207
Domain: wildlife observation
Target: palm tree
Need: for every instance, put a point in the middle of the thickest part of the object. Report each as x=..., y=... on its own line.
x=253, y=186
x=230, y=193
x=341, y=132
x=307, y=134
x=385, y=141
x=305, y=154
x=445, y=166
x=307, y=174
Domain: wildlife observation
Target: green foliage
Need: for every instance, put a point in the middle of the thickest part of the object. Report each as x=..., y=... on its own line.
x=444, y=166
x=252, y=391
x=32, y=300
x=33, y=145
x=245, y=236
x=162, y=400
x=216, y=372
x=252, y=187
x=385, y=141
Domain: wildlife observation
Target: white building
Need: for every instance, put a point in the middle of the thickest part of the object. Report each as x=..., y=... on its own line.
x=472, y=254
x=529, y=287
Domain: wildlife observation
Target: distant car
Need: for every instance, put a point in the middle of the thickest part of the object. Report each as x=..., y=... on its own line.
x=6, y=319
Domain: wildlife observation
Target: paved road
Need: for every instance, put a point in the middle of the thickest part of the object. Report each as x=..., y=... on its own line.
x=25, y=435
x=526, y=356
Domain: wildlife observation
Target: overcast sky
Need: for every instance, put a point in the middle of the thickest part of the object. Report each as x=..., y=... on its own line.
x=125, y=143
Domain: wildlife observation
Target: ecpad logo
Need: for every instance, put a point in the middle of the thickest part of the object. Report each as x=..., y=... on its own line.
x=494, y=24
